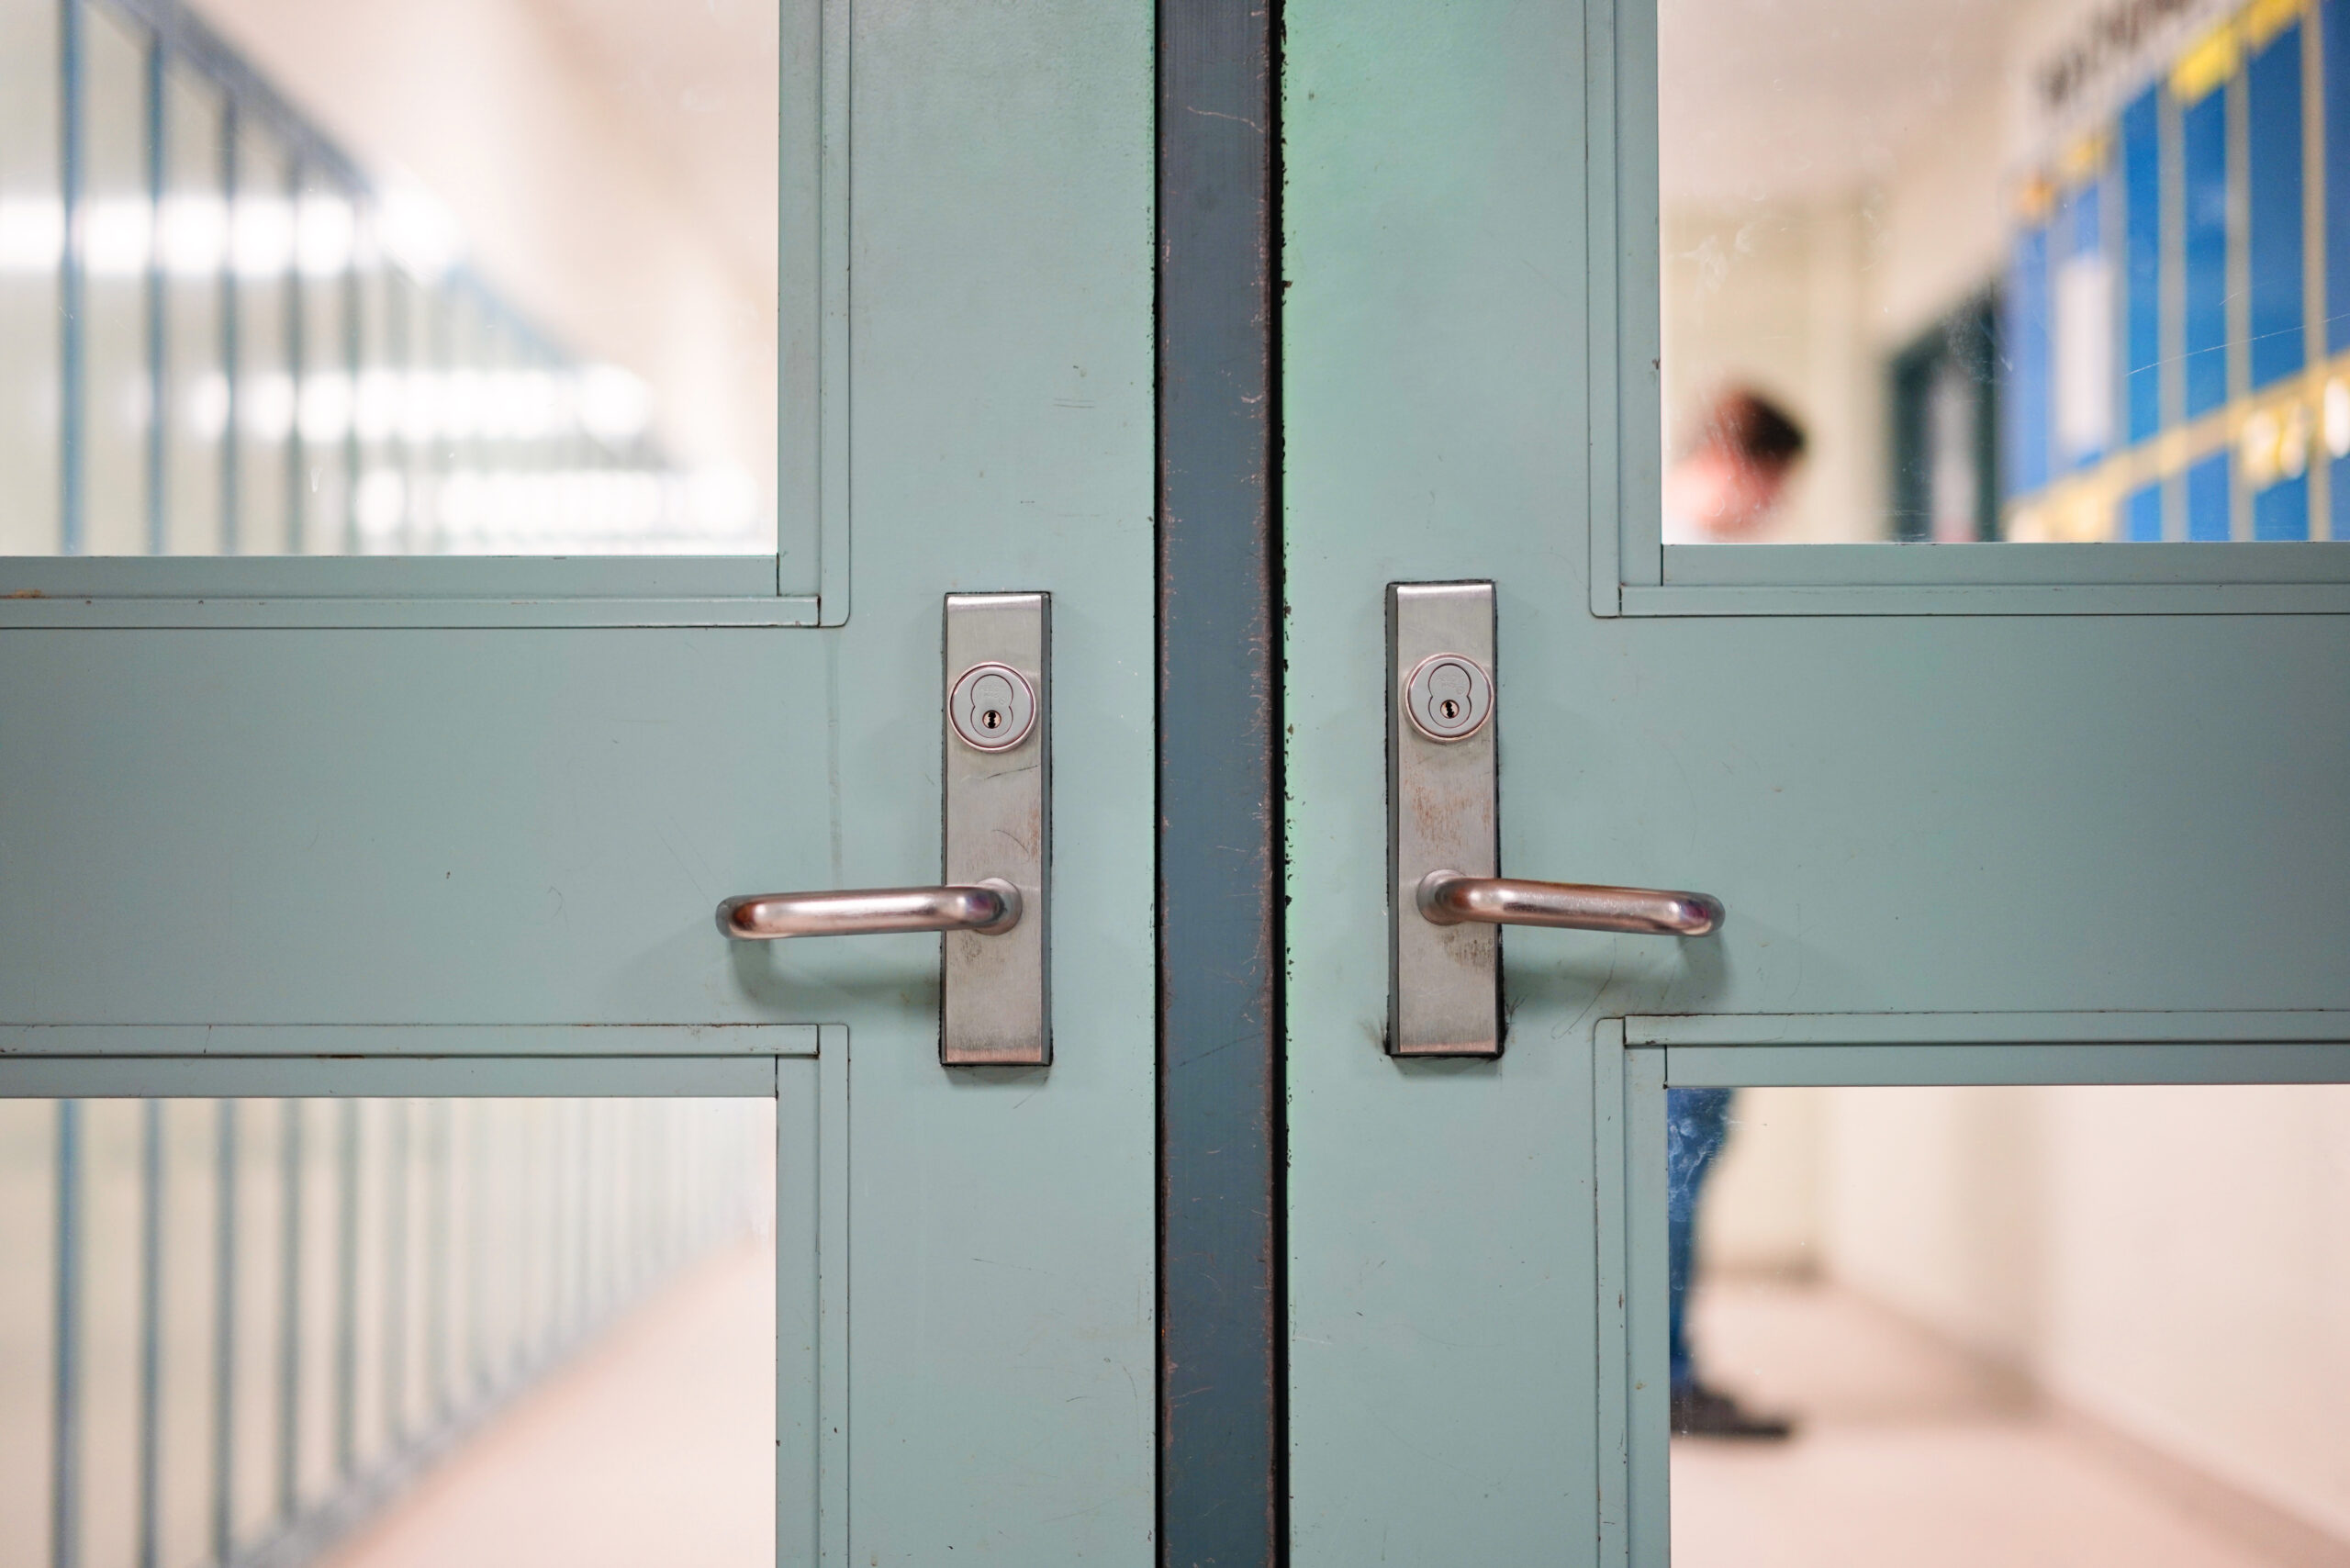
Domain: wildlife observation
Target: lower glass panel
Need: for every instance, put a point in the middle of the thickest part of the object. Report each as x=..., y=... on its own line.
x=2075, y=1325
x=387, y=1332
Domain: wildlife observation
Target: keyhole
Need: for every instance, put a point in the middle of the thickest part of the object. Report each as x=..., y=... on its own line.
x=991, y=721
x=1450, y=708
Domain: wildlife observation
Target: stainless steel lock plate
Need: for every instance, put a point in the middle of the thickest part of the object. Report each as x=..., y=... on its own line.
x=995, y=1006
x=1447, y=900
x=1444, y=985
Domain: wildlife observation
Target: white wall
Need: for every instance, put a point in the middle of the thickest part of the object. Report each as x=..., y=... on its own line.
x=1763, y=297
x=1763, y=1204
x=2173, y=1261
x=2198, y=1291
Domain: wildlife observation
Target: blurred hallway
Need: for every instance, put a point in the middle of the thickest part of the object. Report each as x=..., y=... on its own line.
x=1913, y=1452
x=656, y=1445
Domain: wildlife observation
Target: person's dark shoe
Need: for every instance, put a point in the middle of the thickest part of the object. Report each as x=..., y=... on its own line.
x=1702, y=1411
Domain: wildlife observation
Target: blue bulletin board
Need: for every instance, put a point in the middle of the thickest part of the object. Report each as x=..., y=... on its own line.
x=2175, y=331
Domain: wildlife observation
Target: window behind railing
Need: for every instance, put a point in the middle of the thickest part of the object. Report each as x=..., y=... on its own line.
x=237, y=1332
x=534, y=316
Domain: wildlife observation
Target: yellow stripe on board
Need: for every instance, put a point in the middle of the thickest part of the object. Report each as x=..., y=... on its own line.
x=2207, y=65
x=2084, y=159
x=2264, y=20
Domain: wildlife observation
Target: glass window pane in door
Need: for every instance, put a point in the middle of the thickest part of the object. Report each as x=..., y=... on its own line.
x=389, y=1332
x=2004, y=270
x=2089, y=1325
x=597, y=177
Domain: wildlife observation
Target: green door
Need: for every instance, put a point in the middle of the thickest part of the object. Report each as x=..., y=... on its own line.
x=454, y=819
x=2050, y=805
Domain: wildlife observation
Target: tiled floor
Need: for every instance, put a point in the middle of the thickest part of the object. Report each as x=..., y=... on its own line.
x=657, y=1446
x=1908, y=1454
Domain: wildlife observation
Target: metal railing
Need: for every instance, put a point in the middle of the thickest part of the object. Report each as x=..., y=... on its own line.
x=309, y=367
x=368, y=1280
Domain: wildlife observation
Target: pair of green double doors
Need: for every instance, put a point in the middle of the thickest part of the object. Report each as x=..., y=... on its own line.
x=461, y=832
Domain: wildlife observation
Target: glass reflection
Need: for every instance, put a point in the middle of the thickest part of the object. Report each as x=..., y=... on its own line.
x=2021, y=270
x=282, y=277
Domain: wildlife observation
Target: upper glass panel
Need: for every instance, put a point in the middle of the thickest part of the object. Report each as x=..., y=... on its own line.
x=367, y=277
x=2027, y=270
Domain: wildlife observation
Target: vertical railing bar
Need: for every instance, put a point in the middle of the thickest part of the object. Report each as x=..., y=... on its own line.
x=595, y=1164
x=571, y=1130
x=231, y=348
x=157, y=305
x=517, y=1282
x=640, y=1141
x=72, y=280
x=395, y=1277
x=440, y=356
x=477, y=1206
x=289, y=1308
x=436, y=1264
x=571, y=1314
x=65, y=1399
x=399, y=379
x=583, y=1206
x=592, y=1271
x=224, y=1335
x=150, y=1332
x=544, y=1183
x=354, y=352
x=580, y=1303
x=297, y=457
x=560, y=1298
x=346, y=1291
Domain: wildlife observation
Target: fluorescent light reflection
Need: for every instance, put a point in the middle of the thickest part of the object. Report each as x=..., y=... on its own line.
x=257, y=236
x=473, y=512
x=458, y=461
x=602, y=403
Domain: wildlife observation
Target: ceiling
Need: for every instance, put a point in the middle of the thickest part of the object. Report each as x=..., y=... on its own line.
x=1799, y=99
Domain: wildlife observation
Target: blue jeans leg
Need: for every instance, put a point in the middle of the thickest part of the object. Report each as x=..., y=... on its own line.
x=1696, y=1121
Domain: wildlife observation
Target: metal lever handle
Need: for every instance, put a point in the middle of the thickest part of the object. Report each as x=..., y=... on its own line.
x=1449, y=898
x=990, y=907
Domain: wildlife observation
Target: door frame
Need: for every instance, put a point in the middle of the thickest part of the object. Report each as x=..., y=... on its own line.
x=1222, y=1383
x=1222, y=1373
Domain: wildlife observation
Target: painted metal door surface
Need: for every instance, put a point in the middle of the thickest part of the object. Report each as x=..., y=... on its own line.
x=1974, y=817
x=279, y=827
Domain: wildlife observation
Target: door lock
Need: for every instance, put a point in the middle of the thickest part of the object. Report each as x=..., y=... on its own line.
x=995, y=982
x=1446, y=901
x=991, y=707
x=1448, y=697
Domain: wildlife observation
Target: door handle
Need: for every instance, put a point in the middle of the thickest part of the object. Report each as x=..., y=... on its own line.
x=990, y=907
x=1447, y=898
x=995, y=949
x=1446, y=895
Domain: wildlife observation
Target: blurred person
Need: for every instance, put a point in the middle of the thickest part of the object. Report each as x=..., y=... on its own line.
x=1723, y=489
x=1730, y=478
x=1697, y=1125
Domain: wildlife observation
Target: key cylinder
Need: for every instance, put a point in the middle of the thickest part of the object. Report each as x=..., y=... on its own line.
x=991, y=707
